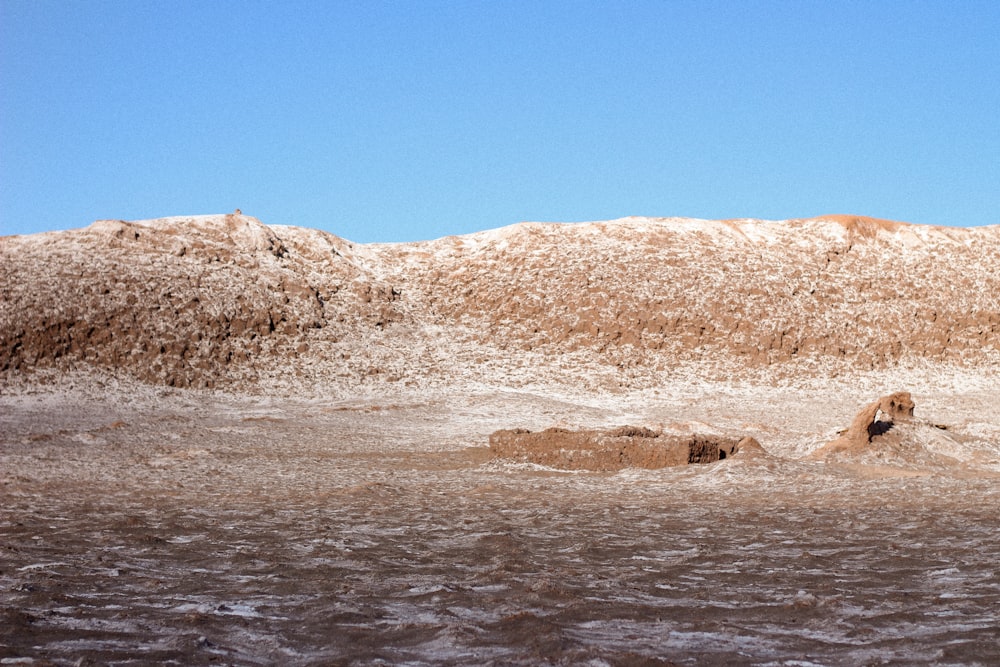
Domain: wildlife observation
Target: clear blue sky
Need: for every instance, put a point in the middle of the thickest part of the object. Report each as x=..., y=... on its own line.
x=412, y=120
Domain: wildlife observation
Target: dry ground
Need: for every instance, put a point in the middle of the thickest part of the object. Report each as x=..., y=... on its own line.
x=150, y=526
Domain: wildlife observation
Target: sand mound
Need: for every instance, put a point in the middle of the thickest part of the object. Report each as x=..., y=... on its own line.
x=615, y=449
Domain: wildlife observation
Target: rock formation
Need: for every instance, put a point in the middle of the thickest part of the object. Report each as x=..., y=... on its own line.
x=615, y=449
x=886, y=435
x=230, y=302
x=874, y=421
x=195, y=302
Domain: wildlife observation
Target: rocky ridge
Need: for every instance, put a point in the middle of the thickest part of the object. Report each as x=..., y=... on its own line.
x=182, y=302
x=227, y=301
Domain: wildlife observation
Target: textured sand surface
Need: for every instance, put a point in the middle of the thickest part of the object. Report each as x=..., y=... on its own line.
x=197, y=528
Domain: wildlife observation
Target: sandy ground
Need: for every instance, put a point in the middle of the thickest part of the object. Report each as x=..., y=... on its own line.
x=181, y=527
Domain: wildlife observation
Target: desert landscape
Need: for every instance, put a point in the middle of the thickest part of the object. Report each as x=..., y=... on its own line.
x=637, y=442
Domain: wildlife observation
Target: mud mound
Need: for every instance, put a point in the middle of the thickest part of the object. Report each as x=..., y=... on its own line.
x=615, y=449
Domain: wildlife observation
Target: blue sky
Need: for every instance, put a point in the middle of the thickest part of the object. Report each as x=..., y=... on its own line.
x=402, y=121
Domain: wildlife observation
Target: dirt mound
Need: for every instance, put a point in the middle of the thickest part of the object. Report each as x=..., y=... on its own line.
x=614, y=449
x=874, y=421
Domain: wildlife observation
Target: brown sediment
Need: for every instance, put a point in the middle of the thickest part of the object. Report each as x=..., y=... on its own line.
x=861, y=225
x=614, y=449
x=303, y=536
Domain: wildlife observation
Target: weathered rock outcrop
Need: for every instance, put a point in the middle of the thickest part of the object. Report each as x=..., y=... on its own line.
x=875, y=420
x=615, y=449
x=885, y=435
x=743, y=293
x=227, y=301
x=197, y=302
